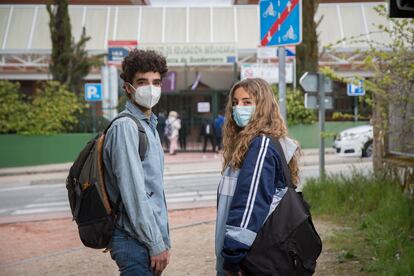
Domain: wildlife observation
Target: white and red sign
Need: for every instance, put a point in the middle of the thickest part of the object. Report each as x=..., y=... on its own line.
x=119, y=49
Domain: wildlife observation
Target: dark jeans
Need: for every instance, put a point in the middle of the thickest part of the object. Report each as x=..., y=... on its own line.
x=219, y=142
x=131, y=256
x=211, y=139
x=183, y=141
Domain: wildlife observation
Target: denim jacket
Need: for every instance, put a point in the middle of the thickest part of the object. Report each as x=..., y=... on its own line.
x=143, y=211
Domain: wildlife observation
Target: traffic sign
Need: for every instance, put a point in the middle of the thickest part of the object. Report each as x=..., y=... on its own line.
x=272, y=52
x=309, y=83
x=280, y=22
x=311, y=102
x=119, y=49
x=355, y=89
x=93, y=92
x=267, y=71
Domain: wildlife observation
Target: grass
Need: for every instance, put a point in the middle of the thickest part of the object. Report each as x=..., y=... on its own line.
x=378, y=216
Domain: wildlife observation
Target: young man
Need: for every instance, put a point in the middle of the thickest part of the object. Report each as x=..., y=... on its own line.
x=140, y=243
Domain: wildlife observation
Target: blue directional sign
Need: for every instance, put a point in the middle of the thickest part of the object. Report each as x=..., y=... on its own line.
x=93, y=92
x=117, y=54
x=280, y=22
x=355, y=89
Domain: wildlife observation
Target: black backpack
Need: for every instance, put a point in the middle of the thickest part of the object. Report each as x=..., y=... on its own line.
x=91, y=207
x=288, y=243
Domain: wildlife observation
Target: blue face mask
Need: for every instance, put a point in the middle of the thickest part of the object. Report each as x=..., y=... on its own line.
x=243, y=114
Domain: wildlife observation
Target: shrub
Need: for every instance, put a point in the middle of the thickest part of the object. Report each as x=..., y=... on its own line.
x=13, y=109
x=295, y=107
x=51, y=109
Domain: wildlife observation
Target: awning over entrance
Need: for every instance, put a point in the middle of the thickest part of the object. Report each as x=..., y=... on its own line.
x=25, y=40
x=25, y=27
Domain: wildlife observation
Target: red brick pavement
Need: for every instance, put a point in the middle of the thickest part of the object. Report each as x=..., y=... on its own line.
x=26, y=240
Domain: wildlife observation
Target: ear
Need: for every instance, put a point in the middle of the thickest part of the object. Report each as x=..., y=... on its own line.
x=128, y=88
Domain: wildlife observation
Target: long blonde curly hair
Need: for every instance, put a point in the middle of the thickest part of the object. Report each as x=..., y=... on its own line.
x=266, y=120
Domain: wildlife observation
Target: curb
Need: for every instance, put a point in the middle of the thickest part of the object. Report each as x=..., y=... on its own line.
x=209, y=171
x=67, y=215
x=64, y=167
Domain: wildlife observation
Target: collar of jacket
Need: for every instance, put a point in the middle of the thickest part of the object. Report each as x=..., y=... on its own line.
x=134, y=110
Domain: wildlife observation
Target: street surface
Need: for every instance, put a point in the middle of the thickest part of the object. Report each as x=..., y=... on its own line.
x=187, y=190
x=39, y=237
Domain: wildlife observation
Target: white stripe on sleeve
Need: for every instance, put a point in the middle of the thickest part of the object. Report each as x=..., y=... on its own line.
x=249, y=199
x=256, y=184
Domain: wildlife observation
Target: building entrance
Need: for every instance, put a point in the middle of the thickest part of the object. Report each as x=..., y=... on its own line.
x=186, y=104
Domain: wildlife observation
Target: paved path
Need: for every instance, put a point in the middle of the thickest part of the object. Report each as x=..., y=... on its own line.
x=49, y=244
x=52, y=247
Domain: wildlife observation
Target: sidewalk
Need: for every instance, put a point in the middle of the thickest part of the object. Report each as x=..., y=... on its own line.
x=52, y=247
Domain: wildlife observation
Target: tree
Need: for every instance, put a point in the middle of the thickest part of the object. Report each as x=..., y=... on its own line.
x=61, y=36
x=307, y=51
x=70, y=62
x=392, y=88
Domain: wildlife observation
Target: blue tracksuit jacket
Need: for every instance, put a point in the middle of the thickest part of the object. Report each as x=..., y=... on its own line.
x=246, y=197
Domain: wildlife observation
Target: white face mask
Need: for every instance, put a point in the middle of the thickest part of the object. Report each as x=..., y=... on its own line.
x=146, y=96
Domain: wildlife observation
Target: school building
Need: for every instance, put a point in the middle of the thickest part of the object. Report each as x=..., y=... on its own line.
x=209, y=46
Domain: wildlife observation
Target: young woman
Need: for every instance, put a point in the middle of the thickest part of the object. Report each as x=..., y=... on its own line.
x=253, y=182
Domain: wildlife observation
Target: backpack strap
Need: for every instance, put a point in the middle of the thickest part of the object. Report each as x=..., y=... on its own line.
x=286, y=170
x=143, y=139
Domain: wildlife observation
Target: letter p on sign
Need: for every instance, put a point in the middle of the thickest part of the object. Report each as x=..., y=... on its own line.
x=93, y=92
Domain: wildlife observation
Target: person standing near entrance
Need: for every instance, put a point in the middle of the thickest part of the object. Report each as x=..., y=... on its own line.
x=218, y=131
x=161, y=128
x=172, y=127
x=140, y=243
x=183, y=132
x=207, y=132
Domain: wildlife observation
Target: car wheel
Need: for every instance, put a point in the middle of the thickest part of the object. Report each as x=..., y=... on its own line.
x=367, y=150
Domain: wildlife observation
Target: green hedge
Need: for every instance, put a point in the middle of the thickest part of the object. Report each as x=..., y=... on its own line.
x=20, y=150
x=308, y=135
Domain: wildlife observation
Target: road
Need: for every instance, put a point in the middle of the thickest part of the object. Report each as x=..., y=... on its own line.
x=182, y=191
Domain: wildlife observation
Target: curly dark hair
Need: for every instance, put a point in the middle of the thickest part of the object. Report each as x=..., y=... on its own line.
x=142, y=61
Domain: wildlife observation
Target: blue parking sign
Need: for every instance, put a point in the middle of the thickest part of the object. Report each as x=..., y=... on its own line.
x=355, y=89
x=93, y=92
x=280, y=22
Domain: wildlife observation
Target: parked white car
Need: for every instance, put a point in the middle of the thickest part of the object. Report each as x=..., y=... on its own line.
x=356, y=141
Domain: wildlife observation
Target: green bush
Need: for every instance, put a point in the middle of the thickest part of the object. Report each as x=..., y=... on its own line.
x=381, y=215
x=51, y=109
x=13, y=109
x=295, y=107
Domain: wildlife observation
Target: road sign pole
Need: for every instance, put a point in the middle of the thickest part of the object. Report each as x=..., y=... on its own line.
x=282, y=82
x=356, y=109
x=93, y=110
x=321, y=91
x=294, y=73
